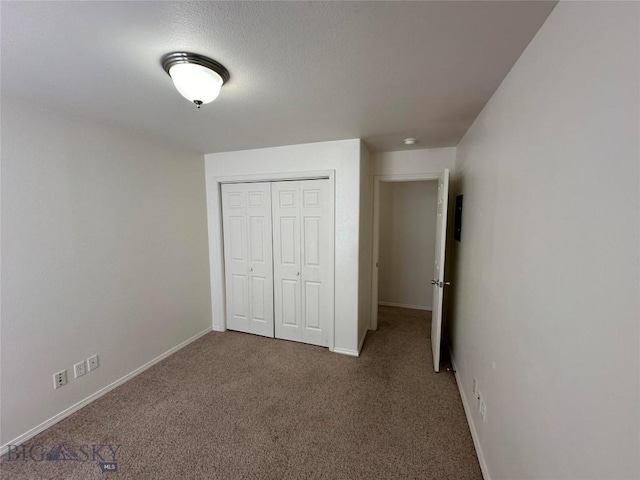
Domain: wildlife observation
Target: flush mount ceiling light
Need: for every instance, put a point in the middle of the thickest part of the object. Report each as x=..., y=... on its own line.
x=197, y=78
x=409, y=141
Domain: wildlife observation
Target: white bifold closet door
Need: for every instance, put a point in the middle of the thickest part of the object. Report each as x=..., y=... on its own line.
x=246, y=214
x=302, y=252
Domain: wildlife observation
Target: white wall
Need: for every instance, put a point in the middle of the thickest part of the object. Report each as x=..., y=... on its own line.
x=411, y=162
x=407, y=243
x=366, y=243
x=341, y=156
x=546, y=314
x=104, y=251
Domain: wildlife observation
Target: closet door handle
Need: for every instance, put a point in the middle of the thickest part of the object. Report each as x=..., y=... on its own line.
x=251, y=269
x=297, y=274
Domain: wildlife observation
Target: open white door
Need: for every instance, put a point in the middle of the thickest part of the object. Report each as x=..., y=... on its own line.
x=438, y=270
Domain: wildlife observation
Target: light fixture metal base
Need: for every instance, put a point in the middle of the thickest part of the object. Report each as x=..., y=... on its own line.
x=171, y=59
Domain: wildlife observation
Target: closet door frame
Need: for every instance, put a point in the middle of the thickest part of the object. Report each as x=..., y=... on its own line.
x=278, y=177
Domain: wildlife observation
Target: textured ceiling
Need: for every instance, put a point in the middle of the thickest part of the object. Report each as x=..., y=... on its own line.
x=300, y=71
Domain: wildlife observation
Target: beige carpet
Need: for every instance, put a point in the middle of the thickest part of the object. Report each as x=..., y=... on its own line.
x=234, y=406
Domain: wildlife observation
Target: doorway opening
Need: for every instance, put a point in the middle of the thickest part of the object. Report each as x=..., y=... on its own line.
x=409, y=237
x=407, y=244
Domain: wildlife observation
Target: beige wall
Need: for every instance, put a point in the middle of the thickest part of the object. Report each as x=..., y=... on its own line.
x=104, y=251
x=546, y=316
x=407, y=243
x=366, y=243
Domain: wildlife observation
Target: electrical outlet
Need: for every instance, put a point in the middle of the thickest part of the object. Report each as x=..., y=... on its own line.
x=475, y=386
x=60, y=379
x=93, y=362
x=79, y=369
x=483, y=408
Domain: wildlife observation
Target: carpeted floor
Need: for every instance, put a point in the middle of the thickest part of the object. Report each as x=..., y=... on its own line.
x=238, y=406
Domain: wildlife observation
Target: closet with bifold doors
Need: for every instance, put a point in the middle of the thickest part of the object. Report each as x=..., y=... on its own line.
x=278, y=255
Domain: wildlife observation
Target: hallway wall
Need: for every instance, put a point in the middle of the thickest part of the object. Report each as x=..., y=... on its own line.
x=407, y=243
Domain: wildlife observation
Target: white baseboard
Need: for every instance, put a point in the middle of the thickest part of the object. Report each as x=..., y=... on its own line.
x=472, y=427
x=404, y=305
x=362, y=339
x=346, y=351
x=94, y=396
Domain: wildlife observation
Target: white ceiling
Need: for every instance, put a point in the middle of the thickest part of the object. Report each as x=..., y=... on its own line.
x=300, y=71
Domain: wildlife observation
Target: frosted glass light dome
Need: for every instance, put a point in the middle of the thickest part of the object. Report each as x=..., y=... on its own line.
x=195, y=82
x=197, y=78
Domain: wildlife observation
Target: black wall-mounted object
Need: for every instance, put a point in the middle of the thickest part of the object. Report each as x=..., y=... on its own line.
x=457, y=232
